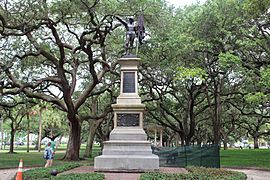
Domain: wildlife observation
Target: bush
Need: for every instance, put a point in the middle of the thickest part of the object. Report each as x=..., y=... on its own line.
x=162, y=176
x=84, y=176
x=39, y=173
x=217, y=173
x=196, y=173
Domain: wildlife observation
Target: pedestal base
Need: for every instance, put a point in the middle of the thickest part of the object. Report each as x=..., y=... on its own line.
x=127, y=163
x=128, y=150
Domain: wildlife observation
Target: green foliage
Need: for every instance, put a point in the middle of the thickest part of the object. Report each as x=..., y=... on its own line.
x=255, y=8
x=213, y=42
x=54, y=118
x=265, y=77
x=197, y=173
x=84, y=176
x=161, y=176
x=227, y=60
x=211, y=173
x=256, y=98
x=39, y=173
x=191, y=73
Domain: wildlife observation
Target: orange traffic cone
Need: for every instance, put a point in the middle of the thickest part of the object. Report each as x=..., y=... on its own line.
x=20, y=171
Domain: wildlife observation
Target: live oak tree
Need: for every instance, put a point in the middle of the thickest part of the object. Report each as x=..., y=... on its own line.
x=216, y=38
x=218, y=28
x=60, y=52
x=100, y=108
x=14, y=111
x=253, y=48
x=48, y=47
x=255, y=116
x=169, y=103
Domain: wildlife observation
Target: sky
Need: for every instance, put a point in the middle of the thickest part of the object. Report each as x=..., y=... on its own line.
x=179, y=3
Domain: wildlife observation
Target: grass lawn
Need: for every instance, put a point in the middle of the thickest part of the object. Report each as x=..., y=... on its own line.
x=259, y=158
x=34, y=158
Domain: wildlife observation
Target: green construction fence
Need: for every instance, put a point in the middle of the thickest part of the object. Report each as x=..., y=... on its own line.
x=195, y=155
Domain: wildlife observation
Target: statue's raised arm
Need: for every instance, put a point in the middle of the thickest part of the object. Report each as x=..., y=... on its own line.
x=122, y=22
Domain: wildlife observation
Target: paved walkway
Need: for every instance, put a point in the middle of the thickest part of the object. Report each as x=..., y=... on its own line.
x=121, y=175
x=8, y=174
x=253, y=174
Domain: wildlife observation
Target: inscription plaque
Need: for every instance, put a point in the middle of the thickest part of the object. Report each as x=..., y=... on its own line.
x=125, y=119
x=129, y=82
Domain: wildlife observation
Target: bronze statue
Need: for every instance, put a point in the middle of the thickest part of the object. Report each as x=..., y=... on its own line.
x=132, y=32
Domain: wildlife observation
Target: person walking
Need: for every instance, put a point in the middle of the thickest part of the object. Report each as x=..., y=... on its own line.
x=53, y=146
x=48, y=155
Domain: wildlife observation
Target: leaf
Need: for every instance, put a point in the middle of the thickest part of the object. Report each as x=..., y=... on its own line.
x=265, y=77
x=191, y=73
x=256, y=98
x=227, y=60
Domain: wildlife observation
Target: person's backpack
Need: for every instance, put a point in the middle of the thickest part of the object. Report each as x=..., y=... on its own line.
x=46, y=154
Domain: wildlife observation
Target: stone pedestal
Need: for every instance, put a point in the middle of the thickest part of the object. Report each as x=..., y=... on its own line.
x=128, y=148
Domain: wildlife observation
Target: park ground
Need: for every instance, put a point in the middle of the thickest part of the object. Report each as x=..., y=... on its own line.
x=254, y=162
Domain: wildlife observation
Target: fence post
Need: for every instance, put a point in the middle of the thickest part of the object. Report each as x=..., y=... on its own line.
x=200, y=155
x=185, y=155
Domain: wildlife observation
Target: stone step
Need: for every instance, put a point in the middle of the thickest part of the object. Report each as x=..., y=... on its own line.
x=127, y=145
x=127, y=163
x=134, y=143
x=127, y=148
x=126, y=152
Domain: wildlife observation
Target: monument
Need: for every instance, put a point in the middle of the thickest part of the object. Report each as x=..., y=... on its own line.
x=128, y=148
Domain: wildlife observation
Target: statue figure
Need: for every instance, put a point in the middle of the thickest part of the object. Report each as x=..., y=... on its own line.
x=132, y=31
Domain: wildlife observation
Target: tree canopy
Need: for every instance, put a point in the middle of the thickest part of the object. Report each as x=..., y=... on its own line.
x=202, y=65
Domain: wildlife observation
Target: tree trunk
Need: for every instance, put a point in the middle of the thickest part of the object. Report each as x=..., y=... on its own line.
x=73, y=148
x=12, y=136
x=217, y=118
x=28, y=132
x=103, y=136
x=215, y=111
x=36, y=145
x=93, y=125
x=2, y=133
x=225, y=143
x=40, y=130
x=187, y=141
x=169, y=141
x=59, y=141
x=182, y=137
x=256, y=144
x=90, y=139
x=192, y=125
